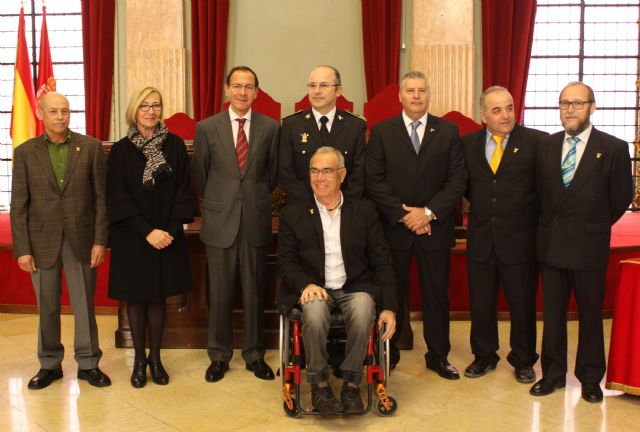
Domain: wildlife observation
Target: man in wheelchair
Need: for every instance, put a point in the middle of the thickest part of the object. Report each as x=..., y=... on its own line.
x=332, y=254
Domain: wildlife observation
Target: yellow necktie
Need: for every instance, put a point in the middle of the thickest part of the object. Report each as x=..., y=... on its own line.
x=497, y=154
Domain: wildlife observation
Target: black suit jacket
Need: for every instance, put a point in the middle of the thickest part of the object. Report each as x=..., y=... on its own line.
x=299, y=140
x=574, y=229
x=433, y=178
x=364, y=250
x=504, y=206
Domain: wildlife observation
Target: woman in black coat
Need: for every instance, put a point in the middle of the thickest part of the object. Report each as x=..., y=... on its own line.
x=149, y=198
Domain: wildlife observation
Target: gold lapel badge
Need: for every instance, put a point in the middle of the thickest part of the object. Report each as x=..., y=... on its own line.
x=77, y=149
x=432, y=130
x=307, y=117
x=340, y=117
x=598, y=155
x=304, y=137
x=311, y=211
x=516, y=150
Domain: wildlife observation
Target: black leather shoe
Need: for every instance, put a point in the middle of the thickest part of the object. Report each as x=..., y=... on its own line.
x=139, y=374
x=479, y=367
x=95, y=376
x=592, y=393
x=215, y=372
x=158, y=374
x=444, y=369
x=546, y=386
x=43, y=378
x=525, y=374
x=261, y=370
x=324, y=400
x=351, y=400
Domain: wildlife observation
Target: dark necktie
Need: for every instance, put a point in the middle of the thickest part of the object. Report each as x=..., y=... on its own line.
x=324, y=132
x=242, y=144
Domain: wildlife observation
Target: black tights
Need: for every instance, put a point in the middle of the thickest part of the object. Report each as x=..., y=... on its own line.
x=142, y=315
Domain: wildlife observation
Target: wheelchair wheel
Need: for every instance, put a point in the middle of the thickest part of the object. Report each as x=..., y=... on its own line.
x=384, y=412
x=293, y=413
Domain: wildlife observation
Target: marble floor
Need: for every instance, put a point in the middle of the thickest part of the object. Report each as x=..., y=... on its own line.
x=240, y=402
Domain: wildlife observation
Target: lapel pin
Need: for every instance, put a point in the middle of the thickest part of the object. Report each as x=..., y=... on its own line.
x=307, y=117
x=304, y=137
x=432, y=130
x=516, y=150
x=77, y=149
x=598, y=155
x=340, y=118
x=311, y=211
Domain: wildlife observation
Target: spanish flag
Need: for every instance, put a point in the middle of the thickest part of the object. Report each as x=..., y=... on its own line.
x=46, y=81
x=23, y=112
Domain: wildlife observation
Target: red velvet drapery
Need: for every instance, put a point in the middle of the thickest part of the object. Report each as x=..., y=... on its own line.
x=507, y=36
x=98, y=27
x=381, y=21
x=209, y=21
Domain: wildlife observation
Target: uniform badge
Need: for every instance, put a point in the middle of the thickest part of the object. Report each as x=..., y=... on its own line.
x=307, y=117
x=516, y=150
x=304, y=137
x=598, y=155
x=340, y=117
x=432, y=130
x=311, y=211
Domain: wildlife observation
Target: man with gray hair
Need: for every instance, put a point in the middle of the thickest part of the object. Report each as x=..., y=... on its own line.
x=332, y=255
x=501, y=248
x=415, y=174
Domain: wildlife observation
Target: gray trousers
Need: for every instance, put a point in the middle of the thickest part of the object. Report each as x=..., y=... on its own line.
x=81, y=282
x=359, y=311
x=223, y=263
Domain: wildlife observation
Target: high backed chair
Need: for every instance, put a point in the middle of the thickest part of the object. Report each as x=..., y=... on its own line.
x=182, y=125
x=265, y=104
x=383, y=106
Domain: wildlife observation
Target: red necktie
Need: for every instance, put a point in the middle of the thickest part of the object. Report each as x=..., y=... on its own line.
x=242, y=145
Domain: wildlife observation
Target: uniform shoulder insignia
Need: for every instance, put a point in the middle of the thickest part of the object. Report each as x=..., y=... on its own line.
x=356, y=115
x=291, y=115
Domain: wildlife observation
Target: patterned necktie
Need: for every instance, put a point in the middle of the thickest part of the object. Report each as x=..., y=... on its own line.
x=415, y=139
x=324, y=131
x=497, y=153
x=242, y=145
x=569, y=163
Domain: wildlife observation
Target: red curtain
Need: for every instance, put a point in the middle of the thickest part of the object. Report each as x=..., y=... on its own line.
x=209, y=20
x=98, y=27
x=507, y=36
x=381, y=21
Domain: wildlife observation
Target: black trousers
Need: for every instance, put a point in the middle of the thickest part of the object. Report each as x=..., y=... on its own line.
x=589, y=288
x=520, y=282
x=433, y=268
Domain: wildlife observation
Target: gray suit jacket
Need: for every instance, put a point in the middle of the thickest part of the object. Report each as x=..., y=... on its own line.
x=226, y=193
x=41, y=211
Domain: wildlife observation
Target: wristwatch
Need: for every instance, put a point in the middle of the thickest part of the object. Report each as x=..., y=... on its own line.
x=429, y=214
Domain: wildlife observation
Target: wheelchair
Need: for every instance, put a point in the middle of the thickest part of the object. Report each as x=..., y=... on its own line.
x=292, y=363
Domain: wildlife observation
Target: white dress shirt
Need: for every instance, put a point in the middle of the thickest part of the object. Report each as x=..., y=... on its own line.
x=335, y=274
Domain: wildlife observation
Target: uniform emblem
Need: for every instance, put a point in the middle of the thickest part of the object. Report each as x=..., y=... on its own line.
x=432, y=130
x=311, y=211
x=307, y=117
x=340, y=117
x=598, y=155
x=516, y=150
x=304, y=137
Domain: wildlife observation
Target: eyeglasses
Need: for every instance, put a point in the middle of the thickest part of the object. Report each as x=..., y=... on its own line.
x=578, y=104
x=239, y=87
x=323, y=171
x=321, y=86
x=146, y=107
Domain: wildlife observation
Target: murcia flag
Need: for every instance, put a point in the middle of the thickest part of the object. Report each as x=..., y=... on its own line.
x=23, y=112
x=46, y=81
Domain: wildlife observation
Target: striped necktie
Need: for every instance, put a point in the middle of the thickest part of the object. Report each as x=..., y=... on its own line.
x=569, y=163
x=242, y=144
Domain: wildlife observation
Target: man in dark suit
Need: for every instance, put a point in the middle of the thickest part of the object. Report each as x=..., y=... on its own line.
x=322, y=125
x=234, y=170
x=584, y=180
x=59, y=220
x=415, y=174
x=332, y=254
x=501, y=169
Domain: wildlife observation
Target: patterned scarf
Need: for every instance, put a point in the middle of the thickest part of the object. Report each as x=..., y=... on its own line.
x=156, y=166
